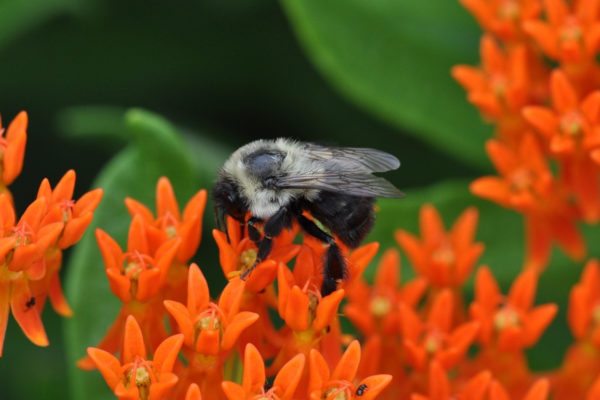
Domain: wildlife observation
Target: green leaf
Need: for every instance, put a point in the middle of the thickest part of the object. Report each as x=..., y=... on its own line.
x=393, y=58
x=156, y=150
x=501, y=231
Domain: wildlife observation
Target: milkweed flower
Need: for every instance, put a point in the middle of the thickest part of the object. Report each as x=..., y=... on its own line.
x=571, y=32
x=237, y=254
x=342, y=382
x=253, y=381
x=76, y=217
x=22, y=248
x=136, y=377
x=210, y=330
x=526, y=184
x=436, y=339
x=306, y=313
x=572, y=129
x=499, y=88
x=136, y=277
x=445, y=259
x=137, y=274
x=512, y=323
x=375, y=309
x=170, y=222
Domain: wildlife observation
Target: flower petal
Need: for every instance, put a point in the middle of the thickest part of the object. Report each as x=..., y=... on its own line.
x=289, y=376
x=254, y=370
x=166, y=203
x=346, y=368
x=235, y=327
x=107, y=364
x=27, y=317
x=374, y=385
x=327, y=309
x=133, y=342
x=197, y=294
x=166, y=353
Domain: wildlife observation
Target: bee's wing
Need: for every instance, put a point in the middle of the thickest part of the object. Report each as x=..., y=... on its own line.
x=364, y=159
x=351, y=183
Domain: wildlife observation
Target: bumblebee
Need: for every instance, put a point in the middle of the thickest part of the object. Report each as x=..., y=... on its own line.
x=275, y=181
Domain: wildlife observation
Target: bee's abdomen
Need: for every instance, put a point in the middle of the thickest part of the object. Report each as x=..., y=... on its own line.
x=350, y=218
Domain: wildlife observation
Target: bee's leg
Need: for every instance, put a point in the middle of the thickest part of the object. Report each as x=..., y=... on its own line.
x=253, y=232
x=335, y=267
x=273, y=227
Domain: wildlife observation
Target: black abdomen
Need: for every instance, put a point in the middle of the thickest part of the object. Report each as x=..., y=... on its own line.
x=350, y=218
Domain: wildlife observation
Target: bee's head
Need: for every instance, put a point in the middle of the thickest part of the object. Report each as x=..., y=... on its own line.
x=264, y=165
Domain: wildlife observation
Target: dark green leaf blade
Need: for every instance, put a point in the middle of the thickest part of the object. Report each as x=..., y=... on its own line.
x=393, y=58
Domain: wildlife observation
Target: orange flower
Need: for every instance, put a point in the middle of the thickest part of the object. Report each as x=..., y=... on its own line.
x=375, y=309
x=568, y=35
x=308, y=317
x=136, y=278
x=500, y=87
x=136, y=377
x=303, y=308
x=444, y=258
x=22, y=248
x=439, y=386
x=503, y=18
x=210, y=328
x=76, y=216
x=238, y=254
x=571, y=125
x=527, y=185
x=525, y=181
x=12, y=149
x=436, y=339
x=137, y=274
x=584, y=305
x=572, y=129
x=511, y=323
x=253, y=381
x=25, y=242
x=169, y=222
x=341, y=383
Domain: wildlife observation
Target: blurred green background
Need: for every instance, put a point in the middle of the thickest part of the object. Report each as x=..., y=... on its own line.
x=222, y=73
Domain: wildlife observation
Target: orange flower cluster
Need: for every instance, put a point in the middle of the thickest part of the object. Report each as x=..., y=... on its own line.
x=199, y=353
x=538, y=83
x=415, y=335
x=31, y=245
